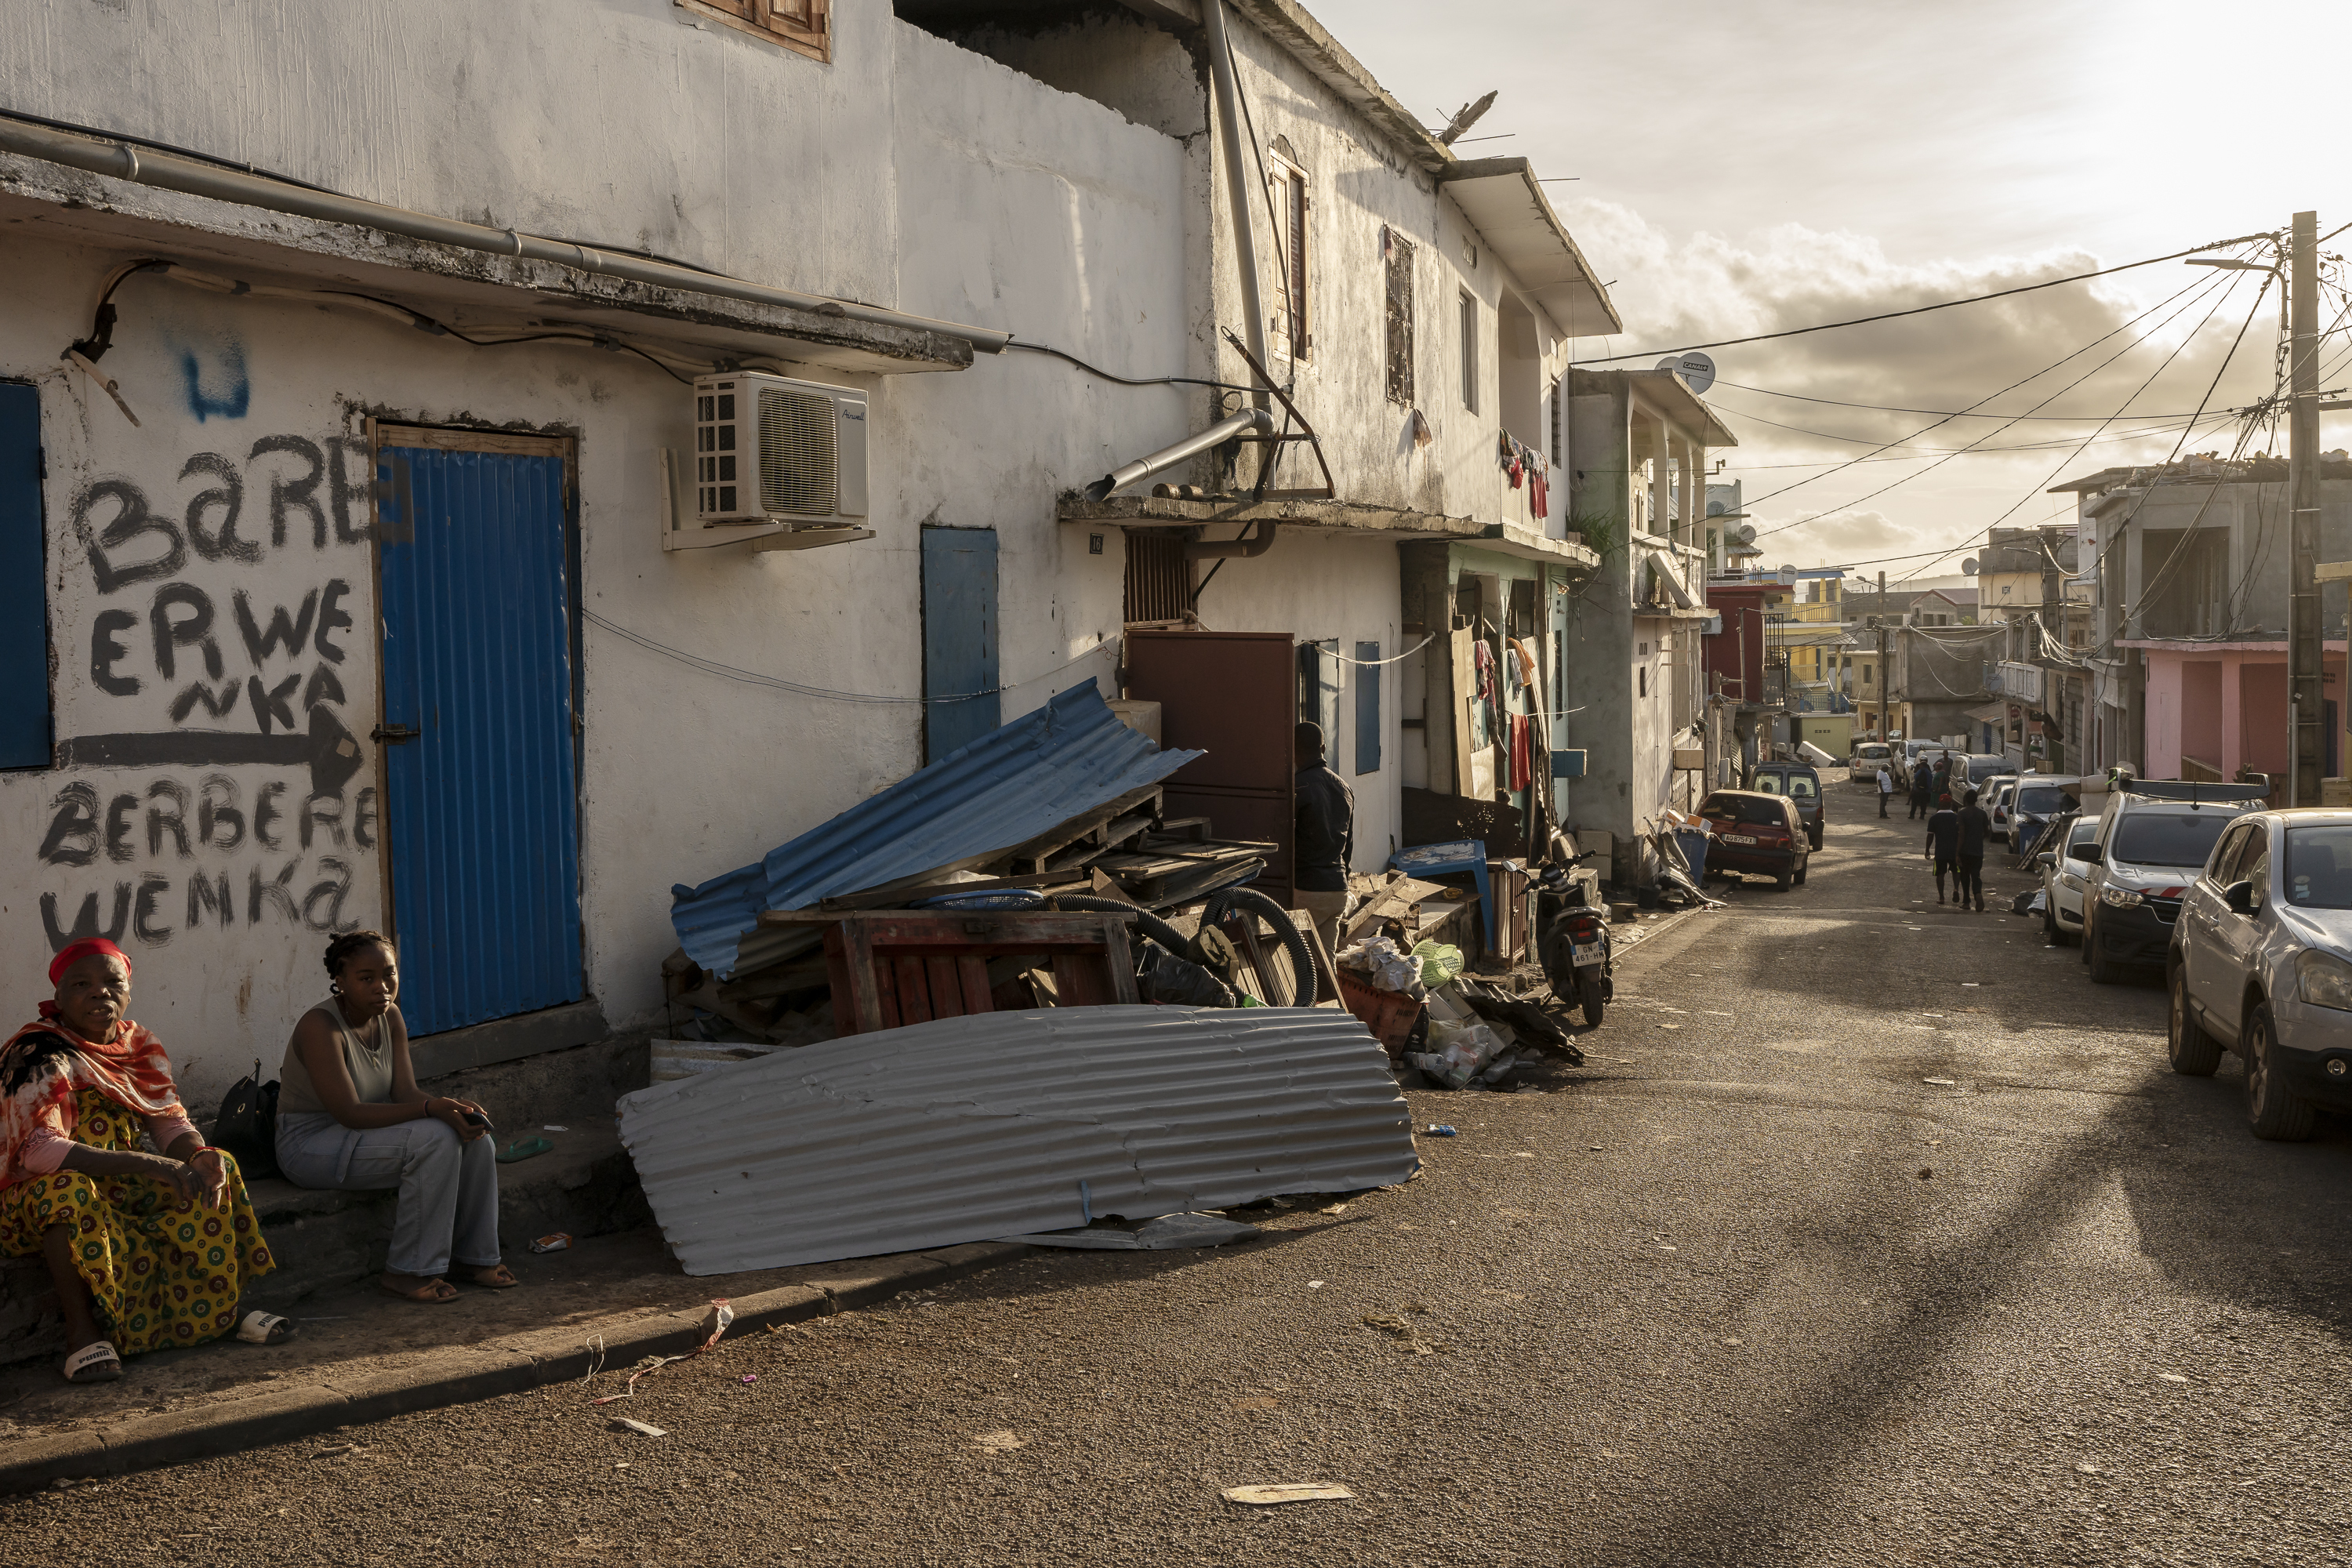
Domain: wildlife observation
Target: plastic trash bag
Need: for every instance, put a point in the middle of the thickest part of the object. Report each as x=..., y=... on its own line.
x=1382, y=967
x=1161, y=976
x=1440, y=962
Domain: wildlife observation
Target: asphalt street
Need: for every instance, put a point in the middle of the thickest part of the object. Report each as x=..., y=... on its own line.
x=1872, y=1233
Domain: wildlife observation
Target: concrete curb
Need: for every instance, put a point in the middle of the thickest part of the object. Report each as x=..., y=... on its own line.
x=462, y=1374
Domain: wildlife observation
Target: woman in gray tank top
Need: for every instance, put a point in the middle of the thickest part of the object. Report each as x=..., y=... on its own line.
x=350, y=1116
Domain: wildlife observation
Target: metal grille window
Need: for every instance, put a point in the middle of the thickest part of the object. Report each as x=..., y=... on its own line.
x=804, y=27
x=1470, y=351
x=1396, y=252
x=714, y=448
x=1159, y=578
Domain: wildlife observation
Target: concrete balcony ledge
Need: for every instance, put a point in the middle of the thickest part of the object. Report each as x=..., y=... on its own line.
x=1514, y=539
x=1328, y=517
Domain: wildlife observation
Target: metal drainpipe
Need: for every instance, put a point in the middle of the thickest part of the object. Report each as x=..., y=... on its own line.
x=1237, y=182
x=165, y=171
x=1167, y=457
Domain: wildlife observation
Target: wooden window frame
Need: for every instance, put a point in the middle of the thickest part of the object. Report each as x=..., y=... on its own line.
x=1294, y=275
x=1397, y=318
x=805, y=27
x=1469, y=328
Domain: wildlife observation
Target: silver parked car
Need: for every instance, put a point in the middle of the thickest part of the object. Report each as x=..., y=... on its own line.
x=2262, y=965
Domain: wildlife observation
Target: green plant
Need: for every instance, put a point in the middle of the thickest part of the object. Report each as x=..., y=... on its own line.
x=1600, y=532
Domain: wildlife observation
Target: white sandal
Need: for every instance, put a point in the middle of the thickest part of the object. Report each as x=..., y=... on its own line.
x=259, y=1328
x=96, y=1362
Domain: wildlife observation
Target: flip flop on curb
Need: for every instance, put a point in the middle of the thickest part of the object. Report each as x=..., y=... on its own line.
x=257, y=1328
x=432, y=1293
x=524, y=1149
x=96, y=1362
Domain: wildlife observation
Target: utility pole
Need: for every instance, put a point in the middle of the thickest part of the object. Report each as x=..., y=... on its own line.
x=2306, y=709
x=2054, y=606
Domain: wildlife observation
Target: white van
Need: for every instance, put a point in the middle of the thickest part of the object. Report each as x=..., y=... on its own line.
x=1863, y=767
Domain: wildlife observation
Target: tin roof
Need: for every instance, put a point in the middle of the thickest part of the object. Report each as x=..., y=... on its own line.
x=1015, y=783
x=1003, y=1124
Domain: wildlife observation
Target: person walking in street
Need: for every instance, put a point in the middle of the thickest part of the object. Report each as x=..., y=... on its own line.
x=1923, y=790
x=1943, y=847
x=1885, y=787
x=1975, y=828
x=1326, y=836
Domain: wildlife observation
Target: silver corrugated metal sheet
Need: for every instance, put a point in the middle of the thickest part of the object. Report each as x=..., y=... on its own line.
x=964, y=1129
x=1005, y=789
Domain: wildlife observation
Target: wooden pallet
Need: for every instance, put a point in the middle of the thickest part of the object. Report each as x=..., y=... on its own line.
x=892, y=967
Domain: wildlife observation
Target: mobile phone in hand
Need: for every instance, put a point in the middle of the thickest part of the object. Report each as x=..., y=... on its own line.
x=475, y=1119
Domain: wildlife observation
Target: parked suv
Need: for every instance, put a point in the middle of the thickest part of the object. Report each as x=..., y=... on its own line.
x=1756, y=830
x=1800, y=783
x=2153, y=835
x=2262, y=965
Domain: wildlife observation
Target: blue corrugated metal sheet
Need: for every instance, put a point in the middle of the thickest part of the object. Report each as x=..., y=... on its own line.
x=1000, y=1123
x=481, y=810
x=1005, y=789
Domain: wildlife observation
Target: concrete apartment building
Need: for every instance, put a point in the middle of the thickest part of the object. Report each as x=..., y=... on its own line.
x=432, y=388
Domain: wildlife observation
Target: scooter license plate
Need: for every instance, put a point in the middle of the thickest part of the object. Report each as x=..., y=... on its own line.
x=1580, y=953
x=1738, y=839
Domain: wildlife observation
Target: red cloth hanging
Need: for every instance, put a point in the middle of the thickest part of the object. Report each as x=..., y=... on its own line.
x=1522, y=756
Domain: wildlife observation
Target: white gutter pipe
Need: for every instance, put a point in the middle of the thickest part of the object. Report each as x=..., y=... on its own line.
x=1167, y=457
x=167, y=172
x=1237, y=181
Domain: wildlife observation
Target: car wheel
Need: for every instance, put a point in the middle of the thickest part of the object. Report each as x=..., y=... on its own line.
x=2104, y=971
x=2192, y=1052
x=2273, y=1110
x=1783, y=879
x=1799, y=877
x=1814, y=837
x=2049, y=918
x=2083, y=956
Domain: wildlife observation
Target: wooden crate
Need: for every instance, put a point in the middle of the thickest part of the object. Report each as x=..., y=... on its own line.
x=891, y=967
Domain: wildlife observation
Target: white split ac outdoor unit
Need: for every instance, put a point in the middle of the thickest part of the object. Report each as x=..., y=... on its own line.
x=770, y=449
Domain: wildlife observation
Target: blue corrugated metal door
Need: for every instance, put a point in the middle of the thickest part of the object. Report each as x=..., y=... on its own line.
x=481, y=812
x=24, y=595
x=959, y=677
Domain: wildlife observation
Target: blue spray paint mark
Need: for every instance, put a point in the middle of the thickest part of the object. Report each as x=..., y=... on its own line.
x=220, y=388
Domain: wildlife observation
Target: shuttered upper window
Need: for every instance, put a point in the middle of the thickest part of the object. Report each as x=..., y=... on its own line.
x=1397, y=250
x=1469, y=352
x=805, y=25
x=1291, y=207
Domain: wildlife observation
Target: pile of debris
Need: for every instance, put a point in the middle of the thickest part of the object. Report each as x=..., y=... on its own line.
x=1457, y=1030
x=1059, y=812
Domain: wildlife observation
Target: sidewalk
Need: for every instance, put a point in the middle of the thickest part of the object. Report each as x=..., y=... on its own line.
x=604, y=1305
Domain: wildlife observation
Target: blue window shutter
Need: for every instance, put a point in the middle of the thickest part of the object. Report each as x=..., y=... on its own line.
x=23, y=585
x=1367, y=708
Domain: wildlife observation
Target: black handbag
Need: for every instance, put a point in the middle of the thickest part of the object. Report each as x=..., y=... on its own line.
x=247, y=1125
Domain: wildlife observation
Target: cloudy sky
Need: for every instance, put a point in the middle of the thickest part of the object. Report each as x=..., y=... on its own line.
x=1745, y=168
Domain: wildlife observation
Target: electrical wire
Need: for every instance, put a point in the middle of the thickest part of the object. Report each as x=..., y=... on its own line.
x=1124, y=379
x=1948, y=414
x=753, y=678
x=2197, y=288
x=1944, y=305
x=2059, y=393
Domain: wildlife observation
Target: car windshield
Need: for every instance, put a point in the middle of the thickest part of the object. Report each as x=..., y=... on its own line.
x=2045, y=800
x=1770, y=812
x=2085, y=831
x=1983, y=768
x=2148, y=839
x=1802, y=785
x=2319, y=868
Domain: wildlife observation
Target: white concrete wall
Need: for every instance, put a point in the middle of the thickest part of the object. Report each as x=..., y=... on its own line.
x=631, y=122
x=1025, y=207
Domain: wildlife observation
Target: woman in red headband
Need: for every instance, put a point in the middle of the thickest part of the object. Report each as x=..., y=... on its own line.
x=146, y=1250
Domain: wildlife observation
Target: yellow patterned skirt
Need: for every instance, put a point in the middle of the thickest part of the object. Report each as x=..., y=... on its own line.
x=160, y=1272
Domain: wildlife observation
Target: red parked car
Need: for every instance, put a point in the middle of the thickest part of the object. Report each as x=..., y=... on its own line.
x=1757, y=832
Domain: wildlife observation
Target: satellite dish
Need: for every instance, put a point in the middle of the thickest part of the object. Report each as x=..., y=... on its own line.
x=1788, y=575
x=1696, y=370
x=1747, y=534
x=1968, y=567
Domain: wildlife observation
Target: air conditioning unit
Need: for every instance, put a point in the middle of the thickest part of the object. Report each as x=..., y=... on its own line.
x=770, y=449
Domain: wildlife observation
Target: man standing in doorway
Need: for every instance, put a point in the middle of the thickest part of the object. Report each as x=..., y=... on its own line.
x=1975, y=828
x=1327, y=837
x=1943, y=847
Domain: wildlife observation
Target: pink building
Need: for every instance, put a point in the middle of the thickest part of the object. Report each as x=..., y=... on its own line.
x=2213, y=708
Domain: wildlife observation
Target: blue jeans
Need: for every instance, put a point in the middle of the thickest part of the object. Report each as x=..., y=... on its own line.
x=448, y=1206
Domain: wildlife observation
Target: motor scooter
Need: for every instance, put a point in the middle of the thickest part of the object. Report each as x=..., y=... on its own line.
x=1578, y=957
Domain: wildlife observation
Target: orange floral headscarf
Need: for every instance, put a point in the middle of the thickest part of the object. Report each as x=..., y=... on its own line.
x=44, y=1065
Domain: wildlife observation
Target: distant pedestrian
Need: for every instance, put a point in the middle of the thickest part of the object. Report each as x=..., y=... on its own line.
x=1944, y=847
x=1975, y=828
x=1326, y=836
x=1885, y=787
x=1923, y=790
